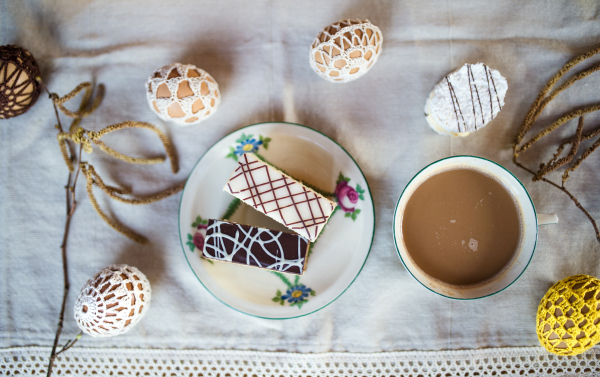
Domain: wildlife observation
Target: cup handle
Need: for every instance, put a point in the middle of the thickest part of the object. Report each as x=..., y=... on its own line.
x=547, y=218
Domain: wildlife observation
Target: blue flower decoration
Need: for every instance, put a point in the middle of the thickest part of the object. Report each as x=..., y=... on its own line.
x=248, y=145
x=296, y=294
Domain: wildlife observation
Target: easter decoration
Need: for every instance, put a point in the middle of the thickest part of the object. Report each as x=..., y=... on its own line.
x=113, y=301
x=346, y=50
x=21, y=84
x=182, y=94
x=542, y=100
x=568, y=318
x=466, y=100
x=19, y=89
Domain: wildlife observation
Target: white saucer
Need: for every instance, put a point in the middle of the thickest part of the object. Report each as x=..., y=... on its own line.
x=338, y=254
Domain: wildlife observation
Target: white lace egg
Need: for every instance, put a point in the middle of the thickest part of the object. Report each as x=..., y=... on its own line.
x=346, y=50
x=113, y=301
x=182, y=94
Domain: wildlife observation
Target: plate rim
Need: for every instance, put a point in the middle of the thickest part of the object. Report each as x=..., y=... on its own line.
x=254, y=315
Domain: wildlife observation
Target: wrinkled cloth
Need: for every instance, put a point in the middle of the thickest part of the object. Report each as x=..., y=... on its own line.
x=258, y=53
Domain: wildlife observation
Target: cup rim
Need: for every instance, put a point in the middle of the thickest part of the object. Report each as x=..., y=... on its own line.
x=396, y=240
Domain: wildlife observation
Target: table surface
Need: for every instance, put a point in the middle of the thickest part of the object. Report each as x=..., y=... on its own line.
x=258, y=53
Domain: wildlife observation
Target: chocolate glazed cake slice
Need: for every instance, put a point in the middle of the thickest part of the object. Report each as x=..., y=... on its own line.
x=280, y=197
x=258, y=247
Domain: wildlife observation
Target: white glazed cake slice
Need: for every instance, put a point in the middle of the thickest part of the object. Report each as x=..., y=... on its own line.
x=280, y=197
x=466, y=100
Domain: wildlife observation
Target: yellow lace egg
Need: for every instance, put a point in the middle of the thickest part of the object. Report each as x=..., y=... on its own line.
x=568, y=318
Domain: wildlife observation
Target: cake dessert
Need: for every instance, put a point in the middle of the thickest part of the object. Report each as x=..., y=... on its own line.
x=466, y=100
x=280, y=197
x=258, y=247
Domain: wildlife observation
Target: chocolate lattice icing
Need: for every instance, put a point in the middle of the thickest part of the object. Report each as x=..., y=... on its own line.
x=253, y=246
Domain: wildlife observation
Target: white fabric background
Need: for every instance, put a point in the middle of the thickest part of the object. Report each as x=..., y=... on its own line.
x=258, y=53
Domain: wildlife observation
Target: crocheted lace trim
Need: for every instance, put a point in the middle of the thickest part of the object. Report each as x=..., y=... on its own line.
x=521, y=361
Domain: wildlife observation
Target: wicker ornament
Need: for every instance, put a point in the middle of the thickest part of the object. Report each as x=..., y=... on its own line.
x=346, y=50
x=113, y=301
x=568, y=318
x=19, y=89
x=183, y=94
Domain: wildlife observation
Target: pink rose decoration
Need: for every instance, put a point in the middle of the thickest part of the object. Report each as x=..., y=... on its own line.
x=346, y=196
x=198, y=239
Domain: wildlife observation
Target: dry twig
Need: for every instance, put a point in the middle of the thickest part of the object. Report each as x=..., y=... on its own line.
x=545, y=96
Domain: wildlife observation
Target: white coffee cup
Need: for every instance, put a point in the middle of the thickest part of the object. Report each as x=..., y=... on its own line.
x=529, y=229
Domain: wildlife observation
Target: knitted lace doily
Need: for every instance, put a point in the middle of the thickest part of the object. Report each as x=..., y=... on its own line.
x=182, y=94
x=568, y=318
x=346, y=50
x=514, y=361
x=19, y=89
x=113, y=301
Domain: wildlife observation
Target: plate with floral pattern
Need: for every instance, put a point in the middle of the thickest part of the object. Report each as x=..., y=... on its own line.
x=335, y=258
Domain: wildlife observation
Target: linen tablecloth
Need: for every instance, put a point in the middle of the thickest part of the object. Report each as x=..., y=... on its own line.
x=258, y=53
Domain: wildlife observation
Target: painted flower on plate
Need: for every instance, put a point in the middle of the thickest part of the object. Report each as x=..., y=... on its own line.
x=346, y=196
x=296, y=293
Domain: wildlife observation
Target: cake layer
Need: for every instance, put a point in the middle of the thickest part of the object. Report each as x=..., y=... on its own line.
x=253, y=246
x=280, y=197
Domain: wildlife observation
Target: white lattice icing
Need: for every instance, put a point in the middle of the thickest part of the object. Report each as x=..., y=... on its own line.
x=254, y=246
x=466, y=100
x=280, y=197
x=113, y=301
x=183, y=94
x=346, y=50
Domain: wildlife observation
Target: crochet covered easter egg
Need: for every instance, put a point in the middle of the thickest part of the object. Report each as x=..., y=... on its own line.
x=19, y=89
x=182, y=94
x=113, y=301
x=346, y=50
x=568, y=318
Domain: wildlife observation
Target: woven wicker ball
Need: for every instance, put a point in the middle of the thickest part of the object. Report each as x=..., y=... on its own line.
x=182, y=94
x=568, y=318
x=346, y=50
x=113, y=301
x=19, y=89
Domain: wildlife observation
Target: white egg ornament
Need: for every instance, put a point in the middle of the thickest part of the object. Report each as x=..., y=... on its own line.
x=182, y=94
x=113, y=301
x=346, y=50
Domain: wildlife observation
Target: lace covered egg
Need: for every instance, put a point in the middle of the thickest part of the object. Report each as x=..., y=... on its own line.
x=113, y=301
x=182, y=94
x=346, y=50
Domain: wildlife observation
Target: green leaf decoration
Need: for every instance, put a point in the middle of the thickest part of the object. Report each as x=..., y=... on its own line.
x=232, y=154
x=231, y=208
x=312, y=292
x=275, y=299
x=190, y=237
x=278, y=293
x=243, y=138
x=282, y=278
x=199, y=221
x=357, y=211
x=191, y=246
x=297, y=279
x=361, y=196
x=342, y=178
x=265, y=141
x=348, y=214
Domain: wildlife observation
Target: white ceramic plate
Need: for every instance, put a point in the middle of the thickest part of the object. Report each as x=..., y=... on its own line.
x=339, y=253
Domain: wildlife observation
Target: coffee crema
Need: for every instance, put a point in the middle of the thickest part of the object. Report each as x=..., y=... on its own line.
x=461, y=226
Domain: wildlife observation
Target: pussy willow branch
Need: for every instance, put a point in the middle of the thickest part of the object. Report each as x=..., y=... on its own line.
x=543, y=98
